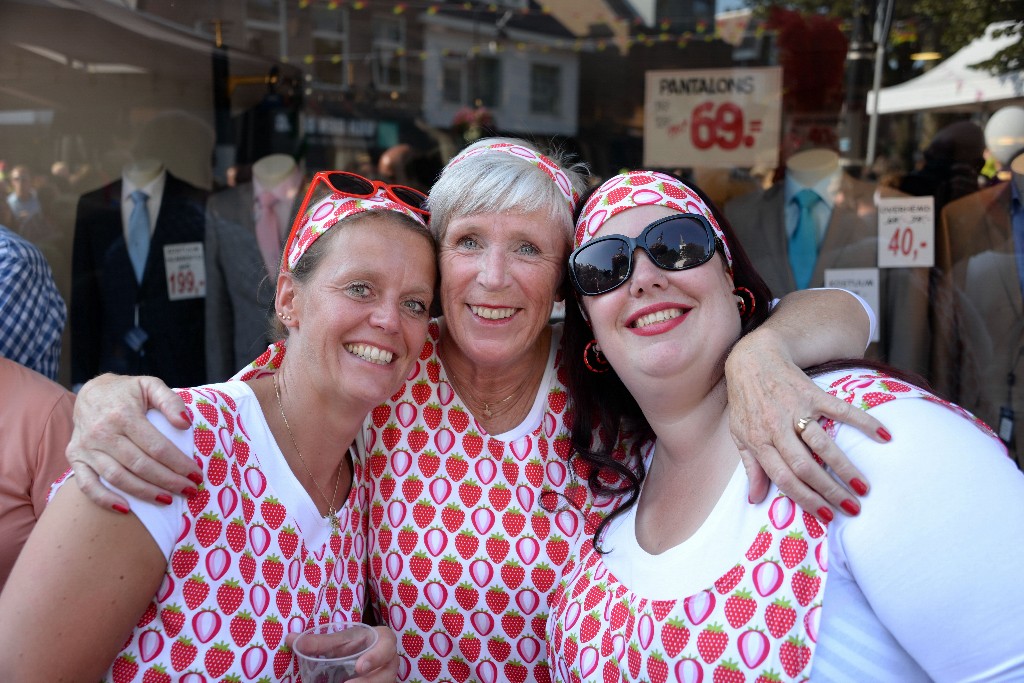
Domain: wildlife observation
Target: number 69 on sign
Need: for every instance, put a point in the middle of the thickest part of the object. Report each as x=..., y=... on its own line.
x=906, y=232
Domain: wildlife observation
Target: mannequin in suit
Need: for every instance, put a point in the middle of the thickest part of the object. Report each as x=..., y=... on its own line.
x=978, y=315
x=242, y=264
x=846, y=220
x=125, y=324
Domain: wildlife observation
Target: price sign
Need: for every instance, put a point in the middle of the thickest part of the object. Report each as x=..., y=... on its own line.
x=722, y=118
x=906, y=232
x=186, y=271
x=861, y=281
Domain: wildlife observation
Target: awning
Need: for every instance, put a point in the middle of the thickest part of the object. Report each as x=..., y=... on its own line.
x=954, y=86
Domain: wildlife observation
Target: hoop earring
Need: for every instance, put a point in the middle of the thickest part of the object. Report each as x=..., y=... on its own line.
x=742, y=296
x=600, y=364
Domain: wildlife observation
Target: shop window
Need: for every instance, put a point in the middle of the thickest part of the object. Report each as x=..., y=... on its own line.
x=545, y=89
x=388, y=50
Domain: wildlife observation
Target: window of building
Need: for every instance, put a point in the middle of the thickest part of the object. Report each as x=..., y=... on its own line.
x=545, y=89
x=330, y=47
x=453, y=81
x=389, y=53
x=264, y=27
x=488, y=81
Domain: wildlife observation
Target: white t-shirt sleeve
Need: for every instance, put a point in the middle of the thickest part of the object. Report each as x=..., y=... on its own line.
x=938, y=548
x=163, y=522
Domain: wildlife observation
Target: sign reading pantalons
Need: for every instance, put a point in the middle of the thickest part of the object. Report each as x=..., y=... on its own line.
x=714, y=118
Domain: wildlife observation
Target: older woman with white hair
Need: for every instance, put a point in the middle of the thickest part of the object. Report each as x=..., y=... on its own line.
x=473, y=505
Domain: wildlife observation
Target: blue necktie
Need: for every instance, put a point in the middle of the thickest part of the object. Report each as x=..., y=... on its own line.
x=803, y=243
x=138, y=233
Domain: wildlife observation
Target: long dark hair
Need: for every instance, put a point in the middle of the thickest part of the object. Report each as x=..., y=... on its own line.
x=606, y=418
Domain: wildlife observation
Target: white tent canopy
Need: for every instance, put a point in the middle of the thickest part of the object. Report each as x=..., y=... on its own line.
x=953, y=85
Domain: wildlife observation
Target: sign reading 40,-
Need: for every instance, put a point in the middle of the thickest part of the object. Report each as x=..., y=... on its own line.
x=721, y=118
x=906, y=232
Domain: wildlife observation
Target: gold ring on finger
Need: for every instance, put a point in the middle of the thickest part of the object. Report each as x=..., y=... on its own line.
x=802, y=423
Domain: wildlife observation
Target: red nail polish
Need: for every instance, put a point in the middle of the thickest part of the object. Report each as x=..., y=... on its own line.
x=188, y=492
x=185, y=417
x=850, y=507
x=120, y=508
x=195, y=478
x=825, y=514
x=884, y=434
x=165, y=499
x=859, y=487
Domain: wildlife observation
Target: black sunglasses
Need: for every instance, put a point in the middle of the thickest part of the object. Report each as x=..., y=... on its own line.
x=676, y=242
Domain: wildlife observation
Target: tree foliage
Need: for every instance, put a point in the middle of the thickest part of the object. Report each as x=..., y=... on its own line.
x=943, y=25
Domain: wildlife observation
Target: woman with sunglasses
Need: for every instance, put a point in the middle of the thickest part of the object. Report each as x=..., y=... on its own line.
x=685, y=580
x=270, y=540
x=472, y=505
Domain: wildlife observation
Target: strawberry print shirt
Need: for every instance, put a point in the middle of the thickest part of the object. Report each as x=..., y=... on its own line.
x=764, y=593
x=250, y=559
x=468, y=531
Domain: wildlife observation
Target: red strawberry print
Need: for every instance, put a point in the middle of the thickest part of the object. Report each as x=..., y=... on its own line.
x=156, y=674
x=423, y=513
x=469, y=493
x=219, y=659
x=380, y=415
x=768, y=677
x=417, y=439
x=543, y=577
x=740, y=608
x=421, y=391
x=760, y=545
x=728, y=672
x=229, y=596
x=429, y=666
x=236, y=534
x=273, y=512
x=711, y=642
x=184, y=560
x=794, y=655
x=208, y=411
x=793, y=549
x=515, y=671
x=814, y=529
x=208, y=528
x=657, y=669
x=497, y=599
x=541, y=524
x=195, y=591
x=875, y=398
x=172, y=619
x=183, y=653
x=470, y=646
x=458, y=418
x=466, y=595
x=391, y=435
x=217, y=470
x=557, y=400
x=412, y=642
x=450, y=569
x=674, y=636
x=272, y=632
x=499, y=648
x=729, y=581
x=204, y=439
x=780, y=617
x=806, y=583
x=429, y=463
x=242, y=628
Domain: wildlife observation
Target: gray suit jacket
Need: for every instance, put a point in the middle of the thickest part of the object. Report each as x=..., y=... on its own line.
x=239, y=292
x=978, y=314
x=851, y=241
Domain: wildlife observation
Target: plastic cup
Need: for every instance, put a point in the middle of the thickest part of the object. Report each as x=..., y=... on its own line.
x=327, y=653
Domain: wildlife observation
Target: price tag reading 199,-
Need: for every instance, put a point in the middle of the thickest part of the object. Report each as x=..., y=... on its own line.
x=186, y=271
x=906, y=232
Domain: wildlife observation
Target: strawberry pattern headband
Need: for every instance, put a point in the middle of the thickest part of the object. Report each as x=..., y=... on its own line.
x=323, y=215
x=642, y=188
x=549, y=167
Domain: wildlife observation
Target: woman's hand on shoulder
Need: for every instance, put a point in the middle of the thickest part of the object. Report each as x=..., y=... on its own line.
x=114, y=440
x=768, y=397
